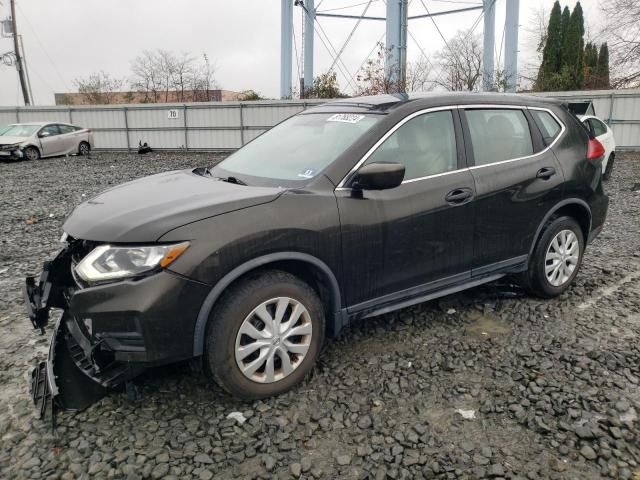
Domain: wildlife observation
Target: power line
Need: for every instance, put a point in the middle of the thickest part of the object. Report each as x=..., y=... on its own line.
x=348, y=6
x=340, y=64
x=33, y=30
x=422, y=52
x=353, y=30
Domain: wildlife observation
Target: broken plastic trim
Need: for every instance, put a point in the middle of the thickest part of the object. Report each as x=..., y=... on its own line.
x=58, y=384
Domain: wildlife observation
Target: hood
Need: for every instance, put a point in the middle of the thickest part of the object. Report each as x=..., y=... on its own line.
x=145, y=209
x=4, y=140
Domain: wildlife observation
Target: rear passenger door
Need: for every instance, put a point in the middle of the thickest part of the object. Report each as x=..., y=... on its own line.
x=69, y=138
x=517, y=179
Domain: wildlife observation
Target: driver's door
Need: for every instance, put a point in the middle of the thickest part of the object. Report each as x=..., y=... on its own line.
x=50, y=141
x=405, y=241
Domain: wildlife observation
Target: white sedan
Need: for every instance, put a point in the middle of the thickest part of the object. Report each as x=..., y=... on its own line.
x=604, y=134
x=32, y=141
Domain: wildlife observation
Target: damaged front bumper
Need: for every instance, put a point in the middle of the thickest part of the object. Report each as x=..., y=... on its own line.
x=109, y=333
x=12, y=152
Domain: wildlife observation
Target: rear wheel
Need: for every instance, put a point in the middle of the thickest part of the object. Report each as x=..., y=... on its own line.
x=31, y=153
x=609, y=169
x=84, y=148
x=264, y=335
x=556, y=258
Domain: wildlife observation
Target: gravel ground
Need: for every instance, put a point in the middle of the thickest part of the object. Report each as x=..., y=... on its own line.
x=553, y=386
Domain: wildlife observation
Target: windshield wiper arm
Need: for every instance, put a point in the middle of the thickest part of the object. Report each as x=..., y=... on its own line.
x=235, y=180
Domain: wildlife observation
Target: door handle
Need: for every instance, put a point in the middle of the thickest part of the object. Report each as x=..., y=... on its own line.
x=546, y=173
x=458, y=196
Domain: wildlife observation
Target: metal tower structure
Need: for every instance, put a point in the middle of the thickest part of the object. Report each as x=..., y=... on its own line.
x=397, y=20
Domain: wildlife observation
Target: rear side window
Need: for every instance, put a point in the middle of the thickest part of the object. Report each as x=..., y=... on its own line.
x=549, y=126
x=498, y=135
x=66, y=129
x=598, y=127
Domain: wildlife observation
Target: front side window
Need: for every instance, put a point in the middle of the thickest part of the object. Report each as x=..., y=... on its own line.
x=425, y=145
x=599, y=128
x=498, y=135
x=299, y=148
x=51, y=129
x=549, y=126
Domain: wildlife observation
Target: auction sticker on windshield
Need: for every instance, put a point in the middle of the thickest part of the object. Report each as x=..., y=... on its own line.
x=345, y=118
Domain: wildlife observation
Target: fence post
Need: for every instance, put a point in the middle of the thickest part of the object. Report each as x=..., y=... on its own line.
x=17, y=114
x=241, y=126
x=184, y=122
x=611, y=99
x=70, y=116
x=126, y=128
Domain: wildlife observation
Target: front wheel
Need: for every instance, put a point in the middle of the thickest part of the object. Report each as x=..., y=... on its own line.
x=31, y=153
x=556, y=259
x=264, y=335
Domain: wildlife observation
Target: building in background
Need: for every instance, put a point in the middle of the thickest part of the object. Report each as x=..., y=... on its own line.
x=186, y=96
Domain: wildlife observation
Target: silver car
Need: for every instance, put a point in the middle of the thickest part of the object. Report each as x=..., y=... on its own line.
x=32, y=141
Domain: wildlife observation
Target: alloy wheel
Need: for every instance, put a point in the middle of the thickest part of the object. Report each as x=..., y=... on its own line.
x=84, y=149
x=273, y=340
x=561, y=260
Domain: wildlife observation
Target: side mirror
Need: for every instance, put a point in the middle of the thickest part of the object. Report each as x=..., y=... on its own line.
x=379, y=176
x=44, y=134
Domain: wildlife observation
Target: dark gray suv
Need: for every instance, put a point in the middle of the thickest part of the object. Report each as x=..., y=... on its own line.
x=347, y=210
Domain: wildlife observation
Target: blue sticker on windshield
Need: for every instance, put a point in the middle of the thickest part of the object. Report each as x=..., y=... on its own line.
x=308, y=173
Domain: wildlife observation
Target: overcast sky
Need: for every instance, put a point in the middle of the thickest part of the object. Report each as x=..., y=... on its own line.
x=67, y=39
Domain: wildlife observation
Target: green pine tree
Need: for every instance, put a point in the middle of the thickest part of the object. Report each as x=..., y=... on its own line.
x=551, y=54
x=591, y=66
x=603, y=67
x=572, y=58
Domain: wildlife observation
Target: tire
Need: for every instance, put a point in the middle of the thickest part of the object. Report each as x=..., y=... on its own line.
x=31, y=153
x=607, y=172
x=536, y=279
x=236, y=310
x=84, y=149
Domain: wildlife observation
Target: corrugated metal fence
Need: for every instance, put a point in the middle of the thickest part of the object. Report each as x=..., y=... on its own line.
x=229, y=125
x=619, y=108
x=191, y=126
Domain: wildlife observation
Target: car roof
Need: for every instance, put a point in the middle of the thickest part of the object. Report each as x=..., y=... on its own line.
x=387, y=102
x=40, y=124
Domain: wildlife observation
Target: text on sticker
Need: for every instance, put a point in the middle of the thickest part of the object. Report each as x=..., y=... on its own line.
x=345, y=117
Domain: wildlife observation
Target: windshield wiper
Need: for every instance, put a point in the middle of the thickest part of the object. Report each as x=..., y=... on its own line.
x=235, y=180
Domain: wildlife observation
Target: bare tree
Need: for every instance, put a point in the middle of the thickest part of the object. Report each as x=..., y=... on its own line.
x=99, y=88
x=623, y=34
x=373, y=79
x=163, y=76
x=461, y=62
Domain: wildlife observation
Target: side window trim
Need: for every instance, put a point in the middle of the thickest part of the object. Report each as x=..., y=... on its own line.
x=347, y=178
x=537, y=137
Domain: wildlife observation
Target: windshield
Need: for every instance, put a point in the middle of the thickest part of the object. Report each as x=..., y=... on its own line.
x=300, y=147
x=21, y=130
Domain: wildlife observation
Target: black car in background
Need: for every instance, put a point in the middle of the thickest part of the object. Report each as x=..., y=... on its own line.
x=347, y=210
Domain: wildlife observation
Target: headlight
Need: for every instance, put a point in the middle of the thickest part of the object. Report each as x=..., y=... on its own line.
x=107, y=262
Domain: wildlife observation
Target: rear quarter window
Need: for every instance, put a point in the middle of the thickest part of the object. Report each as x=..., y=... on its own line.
x=548, y=126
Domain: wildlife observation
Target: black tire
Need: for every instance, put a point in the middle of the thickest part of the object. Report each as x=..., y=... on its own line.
x=534, y=279
x=230, y=313
x=607, y=172
x=84, y=149
x=31, y=153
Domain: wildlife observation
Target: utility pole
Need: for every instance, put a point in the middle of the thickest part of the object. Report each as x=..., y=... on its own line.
x=309, y=20
x=286, y=54
x=19, y=64
x=396, y=42
x=511, y=45
x=489, y=43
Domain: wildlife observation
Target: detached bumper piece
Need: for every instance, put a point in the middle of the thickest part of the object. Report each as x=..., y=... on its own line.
x=58, y=384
